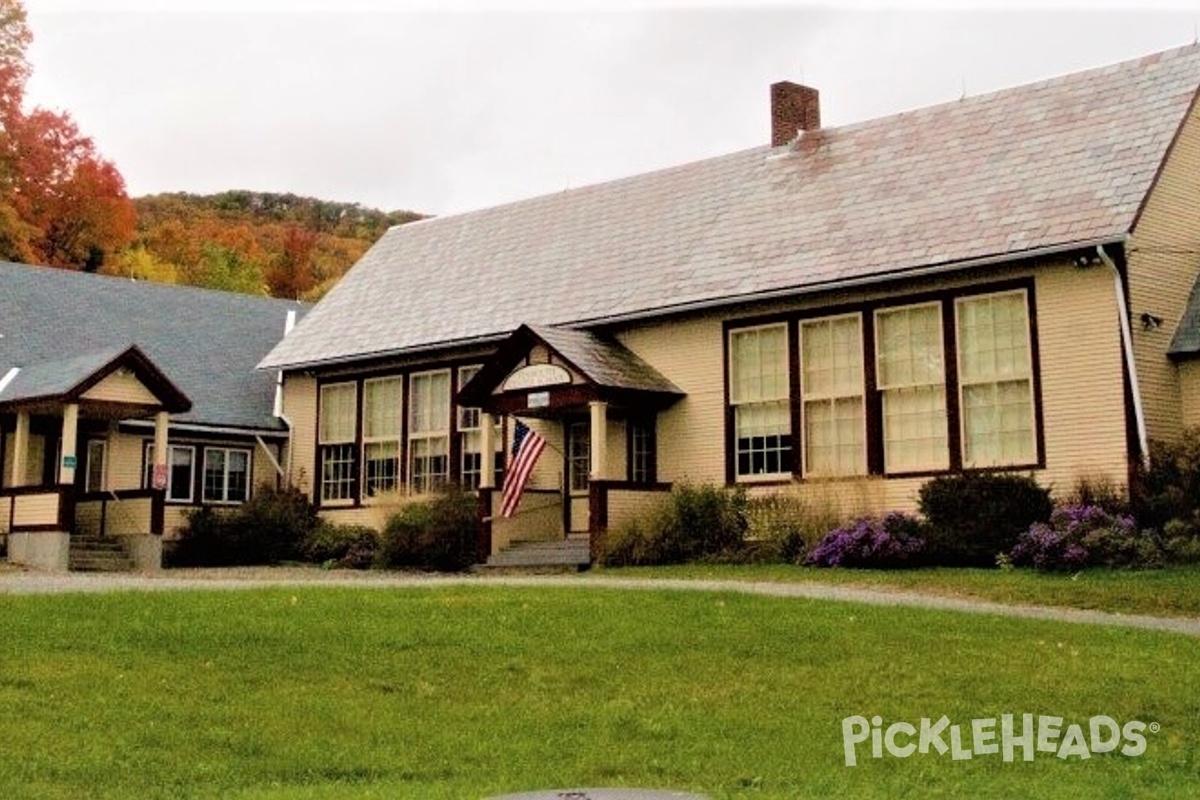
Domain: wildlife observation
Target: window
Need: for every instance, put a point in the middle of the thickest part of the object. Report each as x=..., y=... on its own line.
x=759, y=396
x=579, y=455
x=995, y=380
x=180, y=472
x=471, y=440
x=226, y=475
x=642, y=466
x=381, y=435
x=831, y=383
x=912, y=380
x=429, y=431
x=93, y=479
x=336, y=428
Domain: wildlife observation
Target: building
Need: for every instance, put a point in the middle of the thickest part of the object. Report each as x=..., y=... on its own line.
x=844, y=312
x=123, y=405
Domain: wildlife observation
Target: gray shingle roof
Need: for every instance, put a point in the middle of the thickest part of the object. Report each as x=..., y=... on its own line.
x=55, y=323
x=605, y=361
x=1186, y=341
x=49, y=378
x=1051, y=164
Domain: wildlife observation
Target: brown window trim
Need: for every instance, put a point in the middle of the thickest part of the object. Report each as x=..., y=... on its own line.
x=874, y=398
x=650, y=421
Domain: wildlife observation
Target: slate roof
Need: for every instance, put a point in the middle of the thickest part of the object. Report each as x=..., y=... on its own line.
x=1063, y=162
x=55, y=324
x=1186, y=341
x=606, y=361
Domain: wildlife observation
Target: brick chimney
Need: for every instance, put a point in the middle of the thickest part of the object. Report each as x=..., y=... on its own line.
x=793, y=108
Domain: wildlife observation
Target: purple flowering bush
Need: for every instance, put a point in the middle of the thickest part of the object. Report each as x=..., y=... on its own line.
x=1085, y=535
x=884, y=542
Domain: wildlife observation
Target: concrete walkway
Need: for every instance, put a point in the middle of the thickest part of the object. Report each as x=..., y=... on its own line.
x=22, y=582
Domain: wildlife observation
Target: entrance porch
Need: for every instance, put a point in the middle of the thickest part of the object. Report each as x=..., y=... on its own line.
x=596, y=404
x=56, y=423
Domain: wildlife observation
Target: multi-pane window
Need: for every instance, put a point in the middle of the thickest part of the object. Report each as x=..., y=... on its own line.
x=180, y=471
x=758, y=372
x=995, y=375
x=831, y=383
x=641, y=450
x=429, y=431
x=470, y=435
x=381, y=435
x=226, y=475
x=912, y=379
x=336, y=428
x=579, y=455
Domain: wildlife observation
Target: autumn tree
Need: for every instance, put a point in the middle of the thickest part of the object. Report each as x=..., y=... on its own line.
x=61, y=203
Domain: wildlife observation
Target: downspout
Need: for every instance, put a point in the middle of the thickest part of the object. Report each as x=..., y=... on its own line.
x=1139, y=413
x=287, y=328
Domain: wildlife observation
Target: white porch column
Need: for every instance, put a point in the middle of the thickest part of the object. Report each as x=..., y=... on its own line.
x=70, y=448
x=599, y=436
x=161, y=421
x=487, y=447
x=20, y=445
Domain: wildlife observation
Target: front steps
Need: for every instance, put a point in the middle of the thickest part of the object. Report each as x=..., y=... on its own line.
x=98, y=554
x=574, y=552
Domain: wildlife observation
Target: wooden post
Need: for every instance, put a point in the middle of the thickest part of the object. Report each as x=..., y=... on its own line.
x=20, y=451
x=70, y=446
x=599, y=437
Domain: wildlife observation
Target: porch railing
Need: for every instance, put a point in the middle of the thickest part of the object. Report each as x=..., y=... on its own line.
x=37, y=509
x=122, y=512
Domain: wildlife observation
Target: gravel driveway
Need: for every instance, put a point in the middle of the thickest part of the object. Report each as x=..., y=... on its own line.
x=16, y=581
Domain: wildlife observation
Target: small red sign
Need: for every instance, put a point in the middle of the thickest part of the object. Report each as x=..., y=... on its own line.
x=159, y=480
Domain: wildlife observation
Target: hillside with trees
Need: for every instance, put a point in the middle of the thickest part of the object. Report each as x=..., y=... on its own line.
x=254, y=242
x=63, y=204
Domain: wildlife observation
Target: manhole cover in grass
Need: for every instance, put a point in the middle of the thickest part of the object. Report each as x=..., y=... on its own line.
x=602, y=794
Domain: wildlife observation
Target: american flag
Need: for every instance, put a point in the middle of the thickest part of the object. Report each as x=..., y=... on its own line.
x=526, y=447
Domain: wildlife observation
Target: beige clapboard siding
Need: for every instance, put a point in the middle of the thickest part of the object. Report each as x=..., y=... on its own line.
x=617, y=461
x=691, y=438
x=35, y=509
x=1189, y=390
x=300, y=406
x=125, y=457
x=121, y=387
x=1164, y=258
x=1082, y=381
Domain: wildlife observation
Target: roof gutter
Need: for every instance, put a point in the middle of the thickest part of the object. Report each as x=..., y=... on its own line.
x=1139, y=413
x=185, y=427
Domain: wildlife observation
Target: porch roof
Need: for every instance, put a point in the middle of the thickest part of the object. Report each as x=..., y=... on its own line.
x=67, y=380
x=593, y=367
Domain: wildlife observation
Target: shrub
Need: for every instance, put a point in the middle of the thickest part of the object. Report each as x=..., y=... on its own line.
x=692, y=523
x=266, y=529
x=346, y=546
x=1170, y=488
x=1100, y=492
x=1078, y=536
x=1181, y=542
x=784, y=527
x=975, y=516
x=884, y=542
x=436, y=534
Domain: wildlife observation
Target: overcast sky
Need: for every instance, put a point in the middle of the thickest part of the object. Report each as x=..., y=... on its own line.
x=403, y=104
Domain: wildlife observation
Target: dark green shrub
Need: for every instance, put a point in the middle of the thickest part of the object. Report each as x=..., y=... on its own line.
x=692, y=523
x=1181, y=542
x=266, y=529
x=1170, y=488
x=345, y=546
x=436, y=534
x=973, y=517
x=1100, y=492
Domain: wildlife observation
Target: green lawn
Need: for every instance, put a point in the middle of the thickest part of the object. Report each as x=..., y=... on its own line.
x=461, y=692
x=1174, y=591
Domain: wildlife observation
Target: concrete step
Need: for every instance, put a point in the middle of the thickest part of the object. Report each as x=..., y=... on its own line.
x=94, y=554
x=574, y=552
